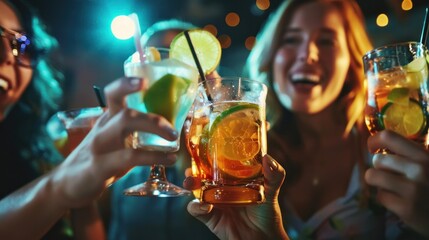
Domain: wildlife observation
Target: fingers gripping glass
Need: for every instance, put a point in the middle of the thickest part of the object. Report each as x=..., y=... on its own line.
x=20, y=46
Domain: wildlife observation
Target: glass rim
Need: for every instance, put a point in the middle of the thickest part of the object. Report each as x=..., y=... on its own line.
x=96, y=110
x=376, y=50
x=246, y=79
x=134, y=59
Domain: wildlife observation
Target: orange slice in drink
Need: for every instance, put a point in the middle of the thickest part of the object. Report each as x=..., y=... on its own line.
x=235, y=141
x=406, y=120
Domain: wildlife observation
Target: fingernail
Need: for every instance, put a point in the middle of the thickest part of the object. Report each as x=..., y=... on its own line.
x=189, y=181
x=170, y=130
x=204, y=207
x=174, y=134
x=135, y=83
x=273, y=165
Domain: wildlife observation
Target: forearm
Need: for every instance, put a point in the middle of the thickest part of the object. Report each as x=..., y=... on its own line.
x=31, y=211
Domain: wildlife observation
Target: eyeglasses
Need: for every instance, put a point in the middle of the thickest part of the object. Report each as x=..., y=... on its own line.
x=20, y=45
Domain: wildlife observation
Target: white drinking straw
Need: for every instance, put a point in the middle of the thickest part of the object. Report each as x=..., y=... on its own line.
x=137, y=35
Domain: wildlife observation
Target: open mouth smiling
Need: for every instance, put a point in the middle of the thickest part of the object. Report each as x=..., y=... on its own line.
x=4, y=85
x=304, y=78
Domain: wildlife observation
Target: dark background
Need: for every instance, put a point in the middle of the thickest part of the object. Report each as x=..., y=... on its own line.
x=91, y=55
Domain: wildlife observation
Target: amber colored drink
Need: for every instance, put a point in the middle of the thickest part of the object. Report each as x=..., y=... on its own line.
x=227, y=140
x=397, y=97
x=77, y=123
x=74, y=138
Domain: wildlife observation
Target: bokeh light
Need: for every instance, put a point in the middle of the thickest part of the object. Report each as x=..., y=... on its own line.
x=407, y=5
x=382, y=20
x=232, y=19
x=250, y=42
x=263, y=4
x=211, y=28
x=122, y=27
x=225, y=41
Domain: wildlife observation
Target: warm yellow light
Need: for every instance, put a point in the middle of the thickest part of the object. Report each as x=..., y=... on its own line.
x=225, y=41
x=250, y=42
x=211, y=28
x=382, y=20
x=407, y=5
x=263, y=4
x=232, y=19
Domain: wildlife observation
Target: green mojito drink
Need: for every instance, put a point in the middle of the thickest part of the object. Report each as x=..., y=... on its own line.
x=171, y=92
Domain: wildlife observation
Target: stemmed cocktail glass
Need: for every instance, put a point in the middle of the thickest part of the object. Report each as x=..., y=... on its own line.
x=171, y=92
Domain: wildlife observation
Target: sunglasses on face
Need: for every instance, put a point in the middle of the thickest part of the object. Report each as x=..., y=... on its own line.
x=20, y=46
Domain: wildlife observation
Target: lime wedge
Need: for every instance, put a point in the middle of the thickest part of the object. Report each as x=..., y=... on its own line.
x=206, y=45
x=416, y=65
x=399, y=96
x=162, y=97
x=417, y=72
x=405, y=120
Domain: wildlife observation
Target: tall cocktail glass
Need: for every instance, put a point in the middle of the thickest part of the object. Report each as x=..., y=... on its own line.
x=227, y=140
x=397, y=96
x=171, y=92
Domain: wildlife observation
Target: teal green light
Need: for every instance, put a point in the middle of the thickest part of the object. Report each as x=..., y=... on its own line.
x=122, y=27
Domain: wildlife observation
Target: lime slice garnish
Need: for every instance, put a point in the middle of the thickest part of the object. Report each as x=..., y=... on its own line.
x=405, y=120
x=206, y=45
x=399, y=96
x=162, y=97
x=416, y=65
x=416, y=72
x=235, y=141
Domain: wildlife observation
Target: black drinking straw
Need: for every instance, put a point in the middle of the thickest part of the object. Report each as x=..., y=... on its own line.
x=194, y=55
x=424, y=35
x=99, y=96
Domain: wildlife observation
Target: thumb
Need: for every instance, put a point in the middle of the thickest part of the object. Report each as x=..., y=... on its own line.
x=274, y=175
x=200, y=211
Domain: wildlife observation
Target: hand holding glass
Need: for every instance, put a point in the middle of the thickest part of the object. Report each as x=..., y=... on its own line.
x=227, y=140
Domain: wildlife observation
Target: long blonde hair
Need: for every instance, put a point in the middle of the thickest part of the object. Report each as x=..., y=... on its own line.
x=260, y=61
x=351, y=101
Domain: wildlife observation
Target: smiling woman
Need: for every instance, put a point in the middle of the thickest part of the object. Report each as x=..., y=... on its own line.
x=38, y=188
x=30, y=93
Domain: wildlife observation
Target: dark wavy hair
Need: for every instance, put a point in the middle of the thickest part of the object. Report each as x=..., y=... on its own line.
x=26, y=149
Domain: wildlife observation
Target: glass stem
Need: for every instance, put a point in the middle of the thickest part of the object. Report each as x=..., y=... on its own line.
x=157, y=171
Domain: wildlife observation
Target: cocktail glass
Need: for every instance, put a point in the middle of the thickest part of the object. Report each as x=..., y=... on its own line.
x=68, y=128
x=397, y=96
x=227, y=140
x=171, y=92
